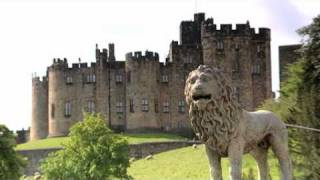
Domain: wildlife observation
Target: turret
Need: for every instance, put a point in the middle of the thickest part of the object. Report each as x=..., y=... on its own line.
x=58, y=126
x=111, y=52
x=101, y=56
x=190, y=31
x=39, y=122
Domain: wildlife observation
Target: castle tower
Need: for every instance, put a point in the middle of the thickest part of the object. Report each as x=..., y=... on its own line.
x=111, y=52
x=39, y=123
x=58, y=122
x=243, y=55
x=142, y=91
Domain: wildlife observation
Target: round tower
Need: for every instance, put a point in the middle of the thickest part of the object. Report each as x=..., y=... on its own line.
x=58, y=122
x=39, y=122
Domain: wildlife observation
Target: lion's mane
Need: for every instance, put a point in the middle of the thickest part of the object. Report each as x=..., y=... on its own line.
x=217, y=124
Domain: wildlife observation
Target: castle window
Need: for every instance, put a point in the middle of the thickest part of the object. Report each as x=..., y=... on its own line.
x=145, y=105
x=52, y=110
x=164, y=78
x=188, y=60
x=181, y=106
x=236, y=63
x=131, y=106
x=128, y=76
x=90, y=106
x=237, y=46
x=119, y=107
x=118, y=78
x=91, y=78
x=156, y=106
x=165, y=107
x=237, y=93
x=69, y=80
x=256, y=69
x=67, y=109
x=220, y=44
x=258, y=48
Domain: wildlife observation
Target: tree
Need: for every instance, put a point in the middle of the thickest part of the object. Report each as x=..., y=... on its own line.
x=11, y=164
x=93, y=152
x=308, y=101
x=300, y=103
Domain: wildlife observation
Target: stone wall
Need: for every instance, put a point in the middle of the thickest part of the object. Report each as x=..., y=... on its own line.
x=287, y=54
x=136, y=151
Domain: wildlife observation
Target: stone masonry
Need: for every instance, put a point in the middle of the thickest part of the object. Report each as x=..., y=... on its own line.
x=287, y=54
x=144, y=94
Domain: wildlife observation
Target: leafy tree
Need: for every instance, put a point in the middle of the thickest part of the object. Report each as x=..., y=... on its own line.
x=11, y=164
x=249, y=176
x=286, y=103
x=300, y=103
x=93, y=152
x=308, y=101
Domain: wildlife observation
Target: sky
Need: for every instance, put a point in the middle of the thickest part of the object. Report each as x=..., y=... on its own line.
x=33, y=32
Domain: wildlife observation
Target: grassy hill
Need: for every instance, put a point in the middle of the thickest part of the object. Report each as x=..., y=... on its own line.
x=132, y=139
x=187, y=163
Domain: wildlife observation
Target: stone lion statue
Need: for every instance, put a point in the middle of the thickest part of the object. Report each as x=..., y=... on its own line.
x=229, y=131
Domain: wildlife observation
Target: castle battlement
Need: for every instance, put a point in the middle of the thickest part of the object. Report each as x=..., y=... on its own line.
x=210, y=29
x=59, y=64
x=82, y=65
x=138, y=56
x=38, y=79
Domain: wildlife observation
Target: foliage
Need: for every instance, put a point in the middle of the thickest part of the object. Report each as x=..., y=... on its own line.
x=190, y=163
x=11, y=164
x=308, y=100
x=131, y=138
x=300, y=103
x=286, y=103
x=93, y=152
x=249, y=176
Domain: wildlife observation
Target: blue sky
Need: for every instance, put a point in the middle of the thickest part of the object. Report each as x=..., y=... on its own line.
x=32, y=33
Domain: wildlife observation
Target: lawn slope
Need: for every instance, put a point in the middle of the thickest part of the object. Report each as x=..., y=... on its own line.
x=186, y=163
x=132, y=139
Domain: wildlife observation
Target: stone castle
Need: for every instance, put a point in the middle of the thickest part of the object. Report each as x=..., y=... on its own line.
x=144, y=94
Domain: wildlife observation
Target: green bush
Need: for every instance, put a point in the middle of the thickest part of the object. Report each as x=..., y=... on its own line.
x=93, y=152
x=11, y=164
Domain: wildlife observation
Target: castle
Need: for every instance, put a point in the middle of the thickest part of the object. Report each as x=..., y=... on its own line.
x=142, y=93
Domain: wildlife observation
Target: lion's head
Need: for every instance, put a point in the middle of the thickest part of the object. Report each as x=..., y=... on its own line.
x=214, y=112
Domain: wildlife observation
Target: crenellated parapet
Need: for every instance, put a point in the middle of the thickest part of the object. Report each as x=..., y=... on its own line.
x=210, y=29
x=105, y=55
x=138, y=56
x=59, y=64
x=37, y=80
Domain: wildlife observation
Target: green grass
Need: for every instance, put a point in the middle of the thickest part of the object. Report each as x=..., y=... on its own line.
x=132, y=139
x=187, y=163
